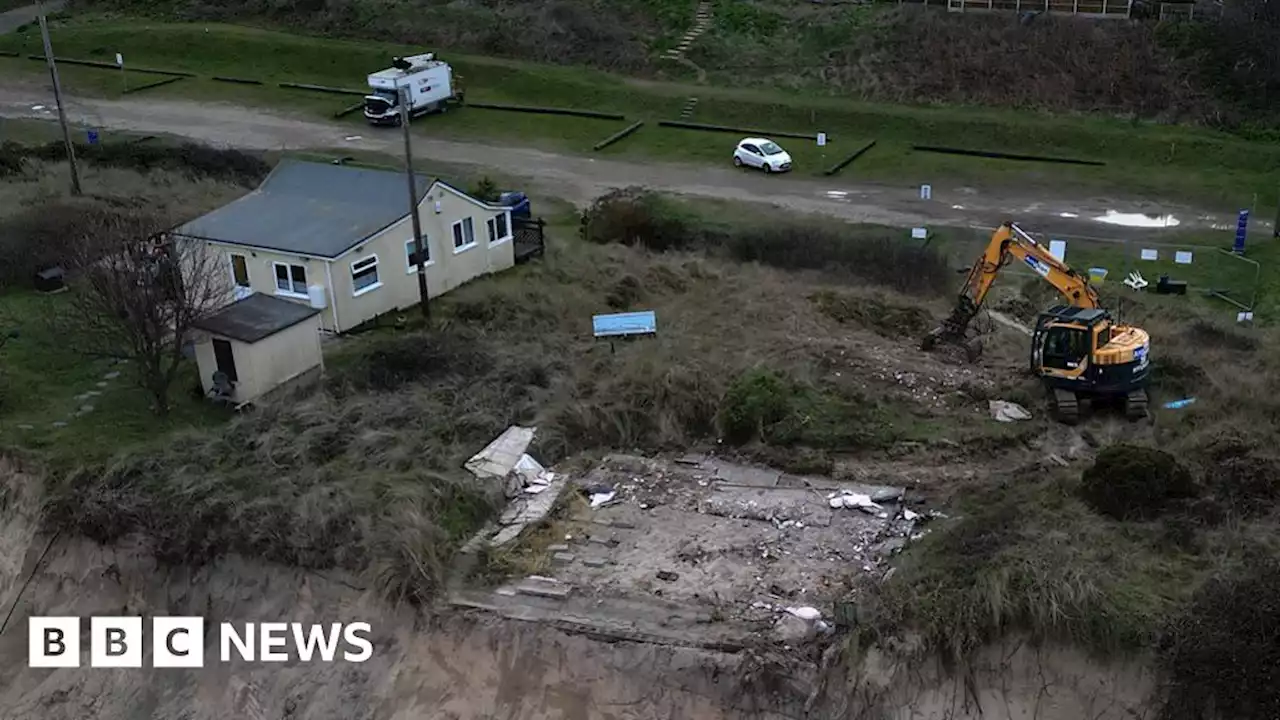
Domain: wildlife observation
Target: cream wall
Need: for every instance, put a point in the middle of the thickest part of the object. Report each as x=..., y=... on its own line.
x=398, y=283
x=267, y=364
x=445, y=271
x=262, y=275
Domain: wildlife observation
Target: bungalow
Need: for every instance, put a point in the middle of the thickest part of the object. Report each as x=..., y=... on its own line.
x=339, y=239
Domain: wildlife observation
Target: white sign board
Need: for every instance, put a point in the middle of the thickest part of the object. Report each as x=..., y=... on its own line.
x=1182, y=257
x=822, y=139
x=919, y=233
x=926, y=192
x=1058, y=249
x=1244, y=317
x=1150, y=254
x=119, y=60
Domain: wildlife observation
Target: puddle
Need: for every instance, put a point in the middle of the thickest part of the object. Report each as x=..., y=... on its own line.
x=1068, y=215
x=837, y=194
x=1138, y=220
x=957, y=207
x=351, y=137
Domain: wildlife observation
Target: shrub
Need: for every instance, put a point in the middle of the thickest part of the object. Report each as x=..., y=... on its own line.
x=399, y=360
x=486, y=189
x=39, y=237
x=1130, y=482
x=1221, y=655
x=774, y=409
x=200, y=161
x=883, y=317
x=635, y=216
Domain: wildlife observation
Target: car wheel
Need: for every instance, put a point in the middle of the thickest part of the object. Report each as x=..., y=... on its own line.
x=737, y=161
x=765, y=167
x=397, y=121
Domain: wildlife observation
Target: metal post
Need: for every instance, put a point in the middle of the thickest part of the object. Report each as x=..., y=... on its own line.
x=413, y=203
x=1275, y=228
x=57, y=98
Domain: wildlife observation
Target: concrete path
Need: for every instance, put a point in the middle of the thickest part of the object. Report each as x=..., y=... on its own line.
x=14, y=19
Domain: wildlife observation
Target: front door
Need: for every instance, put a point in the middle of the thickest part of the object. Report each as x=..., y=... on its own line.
x=225, y=359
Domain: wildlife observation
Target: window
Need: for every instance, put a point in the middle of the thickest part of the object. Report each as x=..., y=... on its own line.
x=291, y=279
x=498, y=229
x=364, y=275
x=751, y=149
x=464, y=235
x=411, y=258
x=239, y=271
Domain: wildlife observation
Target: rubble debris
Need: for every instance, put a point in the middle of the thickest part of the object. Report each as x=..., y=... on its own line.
x=501, y=455
x=1004, y=411
x=562, y=558
x=668, y=576
x=806, y=613
x=888, y=495
x=791, y=630
x=851, y=499
x=601, y=498
x=540, y=586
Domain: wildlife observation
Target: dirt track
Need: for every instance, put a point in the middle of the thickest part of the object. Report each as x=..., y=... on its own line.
x=580, y=178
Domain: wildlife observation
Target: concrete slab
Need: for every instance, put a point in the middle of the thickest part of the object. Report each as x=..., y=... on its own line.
x=540, y=587
x=736, y=474
x=501, y=455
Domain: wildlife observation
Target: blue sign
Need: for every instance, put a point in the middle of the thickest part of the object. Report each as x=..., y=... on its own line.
x=621, y=324
x=1241, y=225
x=93, y=137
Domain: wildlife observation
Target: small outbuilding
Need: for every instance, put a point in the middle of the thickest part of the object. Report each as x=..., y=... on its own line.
x=255, y=345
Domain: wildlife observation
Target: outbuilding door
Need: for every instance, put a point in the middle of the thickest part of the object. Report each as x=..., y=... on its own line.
x=225, y=359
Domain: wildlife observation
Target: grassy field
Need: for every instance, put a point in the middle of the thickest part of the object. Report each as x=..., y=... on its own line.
x=1145, y=160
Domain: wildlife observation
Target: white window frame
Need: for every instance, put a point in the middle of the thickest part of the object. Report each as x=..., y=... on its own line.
x=369, y=261
x=492, y=224
x=248, y=277
x=459, y=227
x=275, y=279
x=408, y=248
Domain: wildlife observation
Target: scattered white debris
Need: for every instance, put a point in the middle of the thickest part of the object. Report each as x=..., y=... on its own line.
x=908, y=515
x=851, y=499
x=351, y=137
x=598, y=499
x=1004, y=411
x=804, y=612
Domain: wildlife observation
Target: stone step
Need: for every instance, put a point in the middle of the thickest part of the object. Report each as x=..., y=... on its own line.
x=544, y=587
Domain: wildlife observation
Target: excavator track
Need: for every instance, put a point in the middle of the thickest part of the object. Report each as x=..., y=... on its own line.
x=1066, y=408
x=1135, y=405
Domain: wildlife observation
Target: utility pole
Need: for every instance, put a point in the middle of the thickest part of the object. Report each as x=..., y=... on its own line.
x=403, y=92
x=57, y=98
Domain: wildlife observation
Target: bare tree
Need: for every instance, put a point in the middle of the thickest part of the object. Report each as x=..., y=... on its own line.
x=137, y=296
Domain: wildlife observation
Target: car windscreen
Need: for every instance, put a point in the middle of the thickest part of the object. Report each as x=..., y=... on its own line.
x=770, y=148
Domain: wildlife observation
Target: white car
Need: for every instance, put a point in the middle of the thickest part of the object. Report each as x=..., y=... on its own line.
x=761, y=153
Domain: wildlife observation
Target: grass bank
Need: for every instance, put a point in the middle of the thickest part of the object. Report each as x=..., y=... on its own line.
x=1143, y=159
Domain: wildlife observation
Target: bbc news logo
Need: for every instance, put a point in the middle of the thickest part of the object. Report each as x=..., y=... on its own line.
x=179, y=642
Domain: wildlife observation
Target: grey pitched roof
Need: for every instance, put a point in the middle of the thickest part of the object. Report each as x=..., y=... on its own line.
x=311, y=209
x=255, y=317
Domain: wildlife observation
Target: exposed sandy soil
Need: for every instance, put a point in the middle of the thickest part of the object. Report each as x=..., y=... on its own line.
x=580, y=178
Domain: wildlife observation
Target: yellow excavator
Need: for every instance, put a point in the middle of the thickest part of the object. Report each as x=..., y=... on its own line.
x=1077, y=349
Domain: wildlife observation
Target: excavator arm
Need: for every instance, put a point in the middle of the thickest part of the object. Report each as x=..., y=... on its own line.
x=1010, y=242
